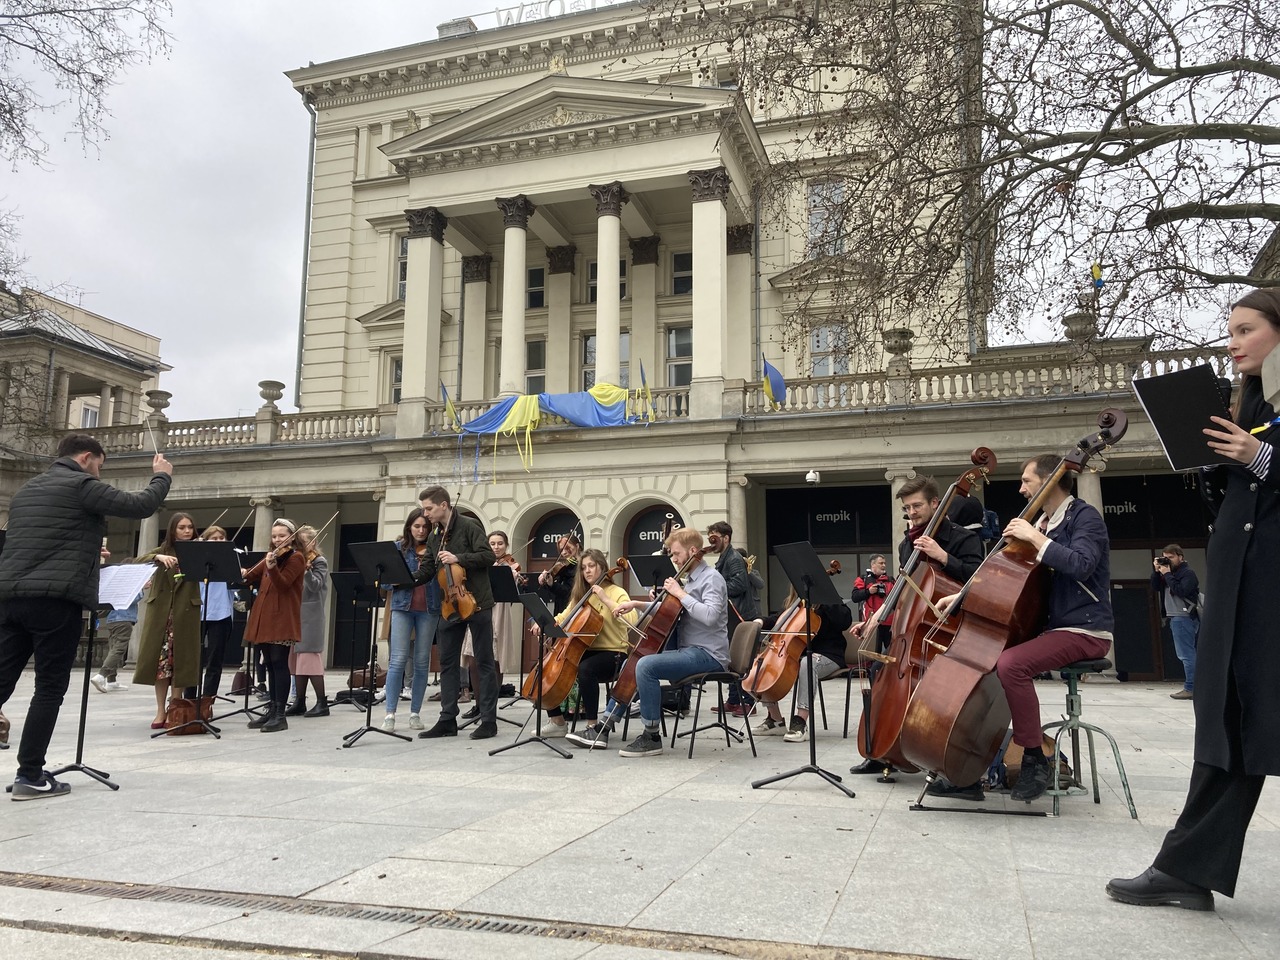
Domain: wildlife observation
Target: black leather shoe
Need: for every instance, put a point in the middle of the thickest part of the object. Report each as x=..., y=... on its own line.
x=296, y=709
x=321, y=709
x=485, y=730
x=874, y=766
x=1155, y=888
x=275, y=724
x=1033, y=781
x=942, y=787
x=263, y=720
x=443, y=728
x=472, y=713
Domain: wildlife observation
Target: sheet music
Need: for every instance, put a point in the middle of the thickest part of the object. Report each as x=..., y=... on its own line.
x=118, y=585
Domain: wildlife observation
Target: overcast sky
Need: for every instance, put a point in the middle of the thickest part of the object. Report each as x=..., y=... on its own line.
x=188, y=223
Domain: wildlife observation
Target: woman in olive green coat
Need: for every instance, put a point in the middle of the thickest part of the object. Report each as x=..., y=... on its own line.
x=169, y=647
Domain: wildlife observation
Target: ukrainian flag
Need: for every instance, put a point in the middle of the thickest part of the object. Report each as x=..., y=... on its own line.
x=450, y=414
x=775, y=388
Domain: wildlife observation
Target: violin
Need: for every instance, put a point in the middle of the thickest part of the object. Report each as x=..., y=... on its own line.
x=776, y=667
x=507, y=560
x=457, y=602
x=560, y=663
x=914, y=639
x=656, y=624
x=958, y=716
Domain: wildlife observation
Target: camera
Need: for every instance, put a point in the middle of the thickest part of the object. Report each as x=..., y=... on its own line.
x=813, y=476
x=1163, y=561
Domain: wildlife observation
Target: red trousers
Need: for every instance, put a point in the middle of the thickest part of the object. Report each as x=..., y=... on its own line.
x=1018, y=665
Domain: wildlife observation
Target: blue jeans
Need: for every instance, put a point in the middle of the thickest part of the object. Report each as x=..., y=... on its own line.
x=1184, y=644
x=671, y=665
x=422, y=626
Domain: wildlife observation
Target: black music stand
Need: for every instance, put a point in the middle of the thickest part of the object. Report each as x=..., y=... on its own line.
x=106, y=579
x=502, y=581
x=345, y=581
x=246, y=560
x=205, y=561
x=652, y=570
x=810, y=579
x=547, y=622
x=381, y=564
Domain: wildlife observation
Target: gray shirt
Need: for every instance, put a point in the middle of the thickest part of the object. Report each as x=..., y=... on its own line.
x=705, y=622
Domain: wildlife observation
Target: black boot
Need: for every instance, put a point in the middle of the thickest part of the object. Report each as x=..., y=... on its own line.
x=262, y=721
x=298, y=708
x=277, y=721
x=321, y=709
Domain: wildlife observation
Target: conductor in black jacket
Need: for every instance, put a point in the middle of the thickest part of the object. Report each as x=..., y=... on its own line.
x=48, y=575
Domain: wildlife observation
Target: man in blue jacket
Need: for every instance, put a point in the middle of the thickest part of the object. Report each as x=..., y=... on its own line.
x=48, y=575
x=1179, y=590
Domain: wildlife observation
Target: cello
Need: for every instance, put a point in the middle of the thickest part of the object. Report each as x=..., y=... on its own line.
x=656, y=624
x=776, y=667
x=913, y=643
x=958, y=715
x=560, y=662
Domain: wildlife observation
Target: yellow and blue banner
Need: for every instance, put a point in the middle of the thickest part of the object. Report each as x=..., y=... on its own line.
x=775, y=388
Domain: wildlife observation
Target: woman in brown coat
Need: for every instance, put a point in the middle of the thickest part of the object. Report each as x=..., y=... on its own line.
x=276, y=620
x=169, y=645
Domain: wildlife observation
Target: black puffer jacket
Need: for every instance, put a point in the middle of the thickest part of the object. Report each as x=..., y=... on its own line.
x=56, y=525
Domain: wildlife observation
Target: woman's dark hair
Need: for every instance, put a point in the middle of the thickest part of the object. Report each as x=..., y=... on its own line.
x=406, y=537
x=171, y=532
x=1266, y=302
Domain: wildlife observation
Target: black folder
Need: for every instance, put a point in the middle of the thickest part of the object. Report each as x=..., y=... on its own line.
x=1179, y=405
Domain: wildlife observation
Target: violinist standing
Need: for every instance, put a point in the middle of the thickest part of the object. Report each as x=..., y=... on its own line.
x=460, y=540
x=48, y=577
x=1237, y=742
x=508, y=639
x=742, y=604
x=306, y=657
x=703, y=639
x=555, y=584
x=1071, y=540
x=957, y=552
x=275, y=622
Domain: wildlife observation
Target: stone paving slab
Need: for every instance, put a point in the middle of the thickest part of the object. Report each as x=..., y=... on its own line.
x=650, y=849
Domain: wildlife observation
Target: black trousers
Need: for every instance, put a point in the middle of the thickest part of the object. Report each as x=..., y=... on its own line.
x=215, y=639
x=49, y=630
x=450, y=637
x=276, y=656
x=595, y=667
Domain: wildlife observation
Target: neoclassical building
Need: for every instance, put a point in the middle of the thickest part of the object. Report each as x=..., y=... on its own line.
x=545, y=206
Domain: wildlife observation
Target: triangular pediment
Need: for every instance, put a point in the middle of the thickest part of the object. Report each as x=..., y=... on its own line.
x=556, y=103
x=821, y=270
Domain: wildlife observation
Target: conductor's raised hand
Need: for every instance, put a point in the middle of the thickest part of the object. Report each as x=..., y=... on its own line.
x=160, y=465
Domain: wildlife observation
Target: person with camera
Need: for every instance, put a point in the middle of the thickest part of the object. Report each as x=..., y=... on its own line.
x=1179, y=590
x=869, y=591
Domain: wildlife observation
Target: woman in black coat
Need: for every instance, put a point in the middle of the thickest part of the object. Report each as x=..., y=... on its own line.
x=1237, y=708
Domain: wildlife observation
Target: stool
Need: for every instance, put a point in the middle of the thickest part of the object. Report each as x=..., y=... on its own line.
x=1072, y=673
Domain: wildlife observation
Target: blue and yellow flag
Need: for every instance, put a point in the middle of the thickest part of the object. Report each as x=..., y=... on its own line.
x=1097, y=275
x=775, y=388
x=450, y=414
x=646, y=395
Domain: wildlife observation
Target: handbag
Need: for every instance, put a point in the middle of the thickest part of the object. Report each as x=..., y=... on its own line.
x=240, y=683
x=359, y=679
x=182, y=710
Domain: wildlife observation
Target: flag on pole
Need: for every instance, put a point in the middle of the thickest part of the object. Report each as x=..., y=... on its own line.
x=450, y=414
x=646, y=395
x=1096, y=270
x=775, y=388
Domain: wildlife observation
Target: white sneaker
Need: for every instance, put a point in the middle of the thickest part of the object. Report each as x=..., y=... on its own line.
x=553, y=729
x=769, y=727
x=415, y=722
x=114, y=685
x=798, y=733
x=99, y=682
x=389, y=722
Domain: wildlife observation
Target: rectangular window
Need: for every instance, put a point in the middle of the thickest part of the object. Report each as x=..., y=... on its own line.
x=536, y=288
x=679, y=356
x=396, y=378
x=402, y=267
x=826, y=218
x=682, y=273
x=88, y=416
x=591, y=280
x=828, y=361
x=535, y=366
x=589, y=361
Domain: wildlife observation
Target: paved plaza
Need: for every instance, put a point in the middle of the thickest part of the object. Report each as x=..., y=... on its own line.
x=286, y=843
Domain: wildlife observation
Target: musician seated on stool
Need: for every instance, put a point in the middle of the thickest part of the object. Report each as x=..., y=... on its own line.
x=608, y=650
x=703, y=641
x=955, y=551
x=827, y=650
x=1071, y=540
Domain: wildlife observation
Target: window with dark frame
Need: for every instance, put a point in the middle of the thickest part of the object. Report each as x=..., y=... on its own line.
x=682, y=273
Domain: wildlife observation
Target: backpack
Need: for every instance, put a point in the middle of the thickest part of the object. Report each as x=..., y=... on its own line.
x=991, y=528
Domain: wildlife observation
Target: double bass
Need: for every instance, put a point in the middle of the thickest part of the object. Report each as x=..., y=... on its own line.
x=774, y=671
x=958, y=715
x=916, y=636
x=655, y=626
x=560, y=662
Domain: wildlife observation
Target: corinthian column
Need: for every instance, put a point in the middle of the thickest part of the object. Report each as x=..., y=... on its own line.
x=516, y=212
x=424, y=282
x=609, y=199
x=710, y=290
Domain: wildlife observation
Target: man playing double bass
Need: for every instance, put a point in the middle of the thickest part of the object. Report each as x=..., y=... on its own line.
x=957, y=552
x=461, y=540
x=1071, y=540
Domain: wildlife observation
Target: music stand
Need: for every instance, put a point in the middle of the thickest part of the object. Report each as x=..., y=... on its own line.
x=810, y=579
x=652, y=570
x=345, y=581
x=502, y=581
x=547, y=622
x=117, y=586
x=204, y=561
x=381, y=565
